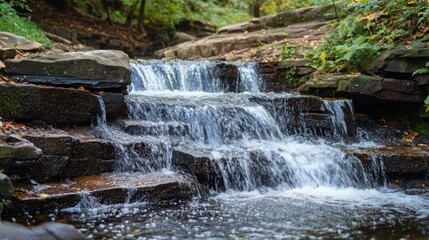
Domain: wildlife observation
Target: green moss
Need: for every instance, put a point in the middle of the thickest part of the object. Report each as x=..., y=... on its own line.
x=14, y=103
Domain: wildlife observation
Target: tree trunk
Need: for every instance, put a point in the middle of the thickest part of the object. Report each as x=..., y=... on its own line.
x=130, y=15
x=140, y=22
x=255, y=8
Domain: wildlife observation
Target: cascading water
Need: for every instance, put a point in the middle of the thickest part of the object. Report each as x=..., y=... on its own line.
x=279, y=162
x=246, y=143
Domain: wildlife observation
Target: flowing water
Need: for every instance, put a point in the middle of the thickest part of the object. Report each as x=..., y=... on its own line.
x=279, y=176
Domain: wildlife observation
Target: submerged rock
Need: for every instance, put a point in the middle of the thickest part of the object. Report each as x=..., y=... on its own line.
x=46, y=231
x=106, y=70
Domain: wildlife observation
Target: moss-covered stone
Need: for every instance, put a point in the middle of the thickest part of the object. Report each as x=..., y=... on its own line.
x=6, y=188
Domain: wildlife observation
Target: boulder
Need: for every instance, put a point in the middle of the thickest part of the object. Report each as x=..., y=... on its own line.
x=53, y=105
x=99, y=70
x=11, y=43
x=17, y=151
x=46, y=231
x=6, y=188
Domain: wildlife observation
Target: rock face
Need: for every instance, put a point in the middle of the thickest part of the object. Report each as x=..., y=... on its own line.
x=395, y=80
x=57, y=105
x=106, y=70
x=11, y=43
x=53, y=105
x=46, y=231
x=365, y=88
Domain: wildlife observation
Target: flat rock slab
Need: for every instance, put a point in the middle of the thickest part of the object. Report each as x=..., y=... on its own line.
x=11, y=44
x=107, y=70
x=107, y=189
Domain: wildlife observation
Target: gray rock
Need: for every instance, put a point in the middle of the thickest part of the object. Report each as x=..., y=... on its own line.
x=46, y=231
x=181, y=37
x=106, y=70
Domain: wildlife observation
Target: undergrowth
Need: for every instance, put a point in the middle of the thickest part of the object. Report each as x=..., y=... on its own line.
x=370, y=27
x=11, y=22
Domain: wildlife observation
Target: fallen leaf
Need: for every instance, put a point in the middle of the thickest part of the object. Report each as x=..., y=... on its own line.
x=408, y=140
x=20, y=135
x=101, y=93
x=421, y=145
x=81, y=88
x=412, y=135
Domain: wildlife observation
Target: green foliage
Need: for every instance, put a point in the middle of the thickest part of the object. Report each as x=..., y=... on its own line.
x=422, y=70
x=288, y=52
x=275, y=6
x=370, y=27
x=291, y=78
x=11, y=22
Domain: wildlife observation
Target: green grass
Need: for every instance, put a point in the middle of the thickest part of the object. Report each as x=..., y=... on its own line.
x=11, y=22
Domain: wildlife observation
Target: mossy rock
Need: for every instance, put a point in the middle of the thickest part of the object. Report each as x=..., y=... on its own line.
x=6, y=188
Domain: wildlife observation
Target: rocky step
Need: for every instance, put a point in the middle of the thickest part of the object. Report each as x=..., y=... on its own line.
x=155, y=188
x=61, y=106
x=59, y=155
x=401, y=164
x=171, y=129
x=99, y=70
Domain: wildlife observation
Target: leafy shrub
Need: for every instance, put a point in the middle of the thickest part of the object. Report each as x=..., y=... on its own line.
x=370, y=27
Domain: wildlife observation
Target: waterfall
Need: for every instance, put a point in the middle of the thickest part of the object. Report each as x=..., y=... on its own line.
x=252, y=139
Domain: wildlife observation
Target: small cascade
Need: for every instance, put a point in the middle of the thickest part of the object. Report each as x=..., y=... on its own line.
x=250, y=80
x=194, y=76
x=342, y=117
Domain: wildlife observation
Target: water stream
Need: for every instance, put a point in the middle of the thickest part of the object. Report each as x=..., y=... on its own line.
x=282, y=174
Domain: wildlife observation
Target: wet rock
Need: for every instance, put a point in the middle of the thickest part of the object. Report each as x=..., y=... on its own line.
x=229, y=75
x=53, y=105
x=198, y=163
x=154, y=188
x=115, y=105
x=172, y=129
x=105, y=70
x=18, y=151
x=46, y=231
x=64, y=156
x=399, y=162
x=6, y=188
